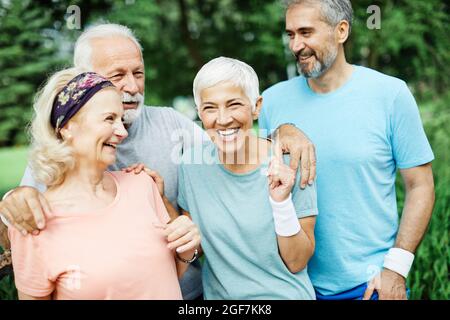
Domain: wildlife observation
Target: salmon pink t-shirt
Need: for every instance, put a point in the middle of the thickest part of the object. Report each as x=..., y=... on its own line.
x=112, y=253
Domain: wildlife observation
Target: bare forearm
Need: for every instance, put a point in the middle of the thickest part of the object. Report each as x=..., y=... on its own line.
x=416, y=216
x=173, y=213
x=4, y=240
x=183, y=266
x=296, y=250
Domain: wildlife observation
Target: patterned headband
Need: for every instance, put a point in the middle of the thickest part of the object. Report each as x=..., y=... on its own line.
x=74, y=96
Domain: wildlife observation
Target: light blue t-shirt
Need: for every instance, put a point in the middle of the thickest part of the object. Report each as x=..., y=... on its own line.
x=235, y=219
x=362, y=132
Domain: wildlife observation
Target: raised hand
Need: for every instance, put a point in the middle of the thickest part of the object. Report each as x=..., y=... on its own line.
x=281, y=179
x=292, y=140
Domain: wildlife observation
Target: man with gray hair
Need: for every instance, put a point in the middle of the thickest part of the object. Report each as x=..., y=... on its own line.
x=365, y=125
x=157, y=136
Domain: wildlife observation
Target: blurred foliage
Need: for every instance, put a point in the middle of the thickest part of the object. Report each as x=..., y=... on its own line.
x=412, y=44
x=12, y=166
x=179, y=36
x=429, y=276
x=27, y=54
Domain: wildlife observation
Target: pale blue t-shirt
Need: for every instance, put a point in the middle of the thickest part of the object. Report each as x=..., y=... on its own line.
x=363, y=132
x=235, y=219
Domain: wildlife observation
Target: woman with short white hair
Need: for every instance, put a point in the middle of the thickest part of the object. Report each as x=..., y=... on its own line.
x=107, y=234
x=257, y=225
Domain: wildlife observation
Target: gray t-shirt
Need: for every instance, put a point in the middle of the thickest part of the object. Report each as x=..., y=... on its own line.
x=157, y=138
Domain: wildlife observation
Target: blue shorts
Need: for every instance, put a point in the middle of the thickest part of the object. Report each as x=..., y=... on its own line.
x=356, y=293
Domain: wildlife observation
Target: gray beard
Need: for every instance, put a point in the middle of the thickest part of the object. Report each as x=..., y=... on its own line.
x=319, y=68
x=132, y=114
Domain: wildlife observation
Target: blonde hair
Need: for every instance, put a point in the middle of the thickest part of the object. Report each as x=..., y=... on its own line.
x=50, y=156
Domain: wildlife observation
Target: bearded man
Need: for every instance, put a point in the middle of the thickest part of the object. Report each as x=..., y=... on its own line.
x=365, y=125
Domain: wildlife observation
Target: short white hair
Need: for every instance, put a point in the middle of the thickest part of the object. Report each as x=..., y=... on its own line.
x=223, y=69
x=82, y=56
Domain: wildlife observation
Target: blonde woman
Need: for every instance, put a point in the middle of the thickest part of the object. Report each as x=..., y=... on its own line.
x=107, y=234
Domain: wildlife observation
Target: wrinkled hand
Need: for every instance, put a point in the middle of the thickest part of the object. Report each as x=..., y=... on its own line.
x=24, y=209
x=291, y=140
x=182, y=235
x=139, y=167
x=389, y=285
x=281, y=179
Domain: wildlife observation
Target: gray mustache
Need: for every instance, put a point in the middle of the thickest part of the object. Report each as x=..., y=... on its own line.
x=129, y=98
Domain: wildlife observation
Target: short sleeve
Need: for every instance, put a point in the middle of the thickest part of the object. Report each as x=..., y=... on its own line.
x=30, y=270
x=28, y=180
x=305, y=200
x=158, y=203
x=263, y=124
x=181, y=200
x=409, y=142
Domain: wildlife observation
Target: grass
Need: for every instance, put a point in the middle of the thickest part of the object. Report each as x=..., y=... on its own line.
x=12, y=166
x=429, y=277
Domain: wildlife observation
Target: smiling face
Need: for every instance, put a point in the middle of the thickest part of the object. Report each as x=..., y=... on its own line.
x=120, y=60
x=227, y=116
x=97, y=129
x=311, y=40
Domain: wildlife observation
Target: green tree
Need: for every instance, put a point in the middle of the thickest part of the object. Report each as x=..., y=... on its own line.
x=411, y=44
x=179, y=36
x=27, y=56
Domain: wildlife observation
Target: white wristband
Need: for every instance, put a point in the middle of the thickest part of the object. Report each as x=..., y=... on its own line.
x=2, y=218
x=398, y=260
x=285, y=217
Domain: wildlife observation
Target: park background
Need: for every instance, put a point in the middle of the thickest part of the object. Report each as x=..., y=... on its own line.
x=179, y=36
